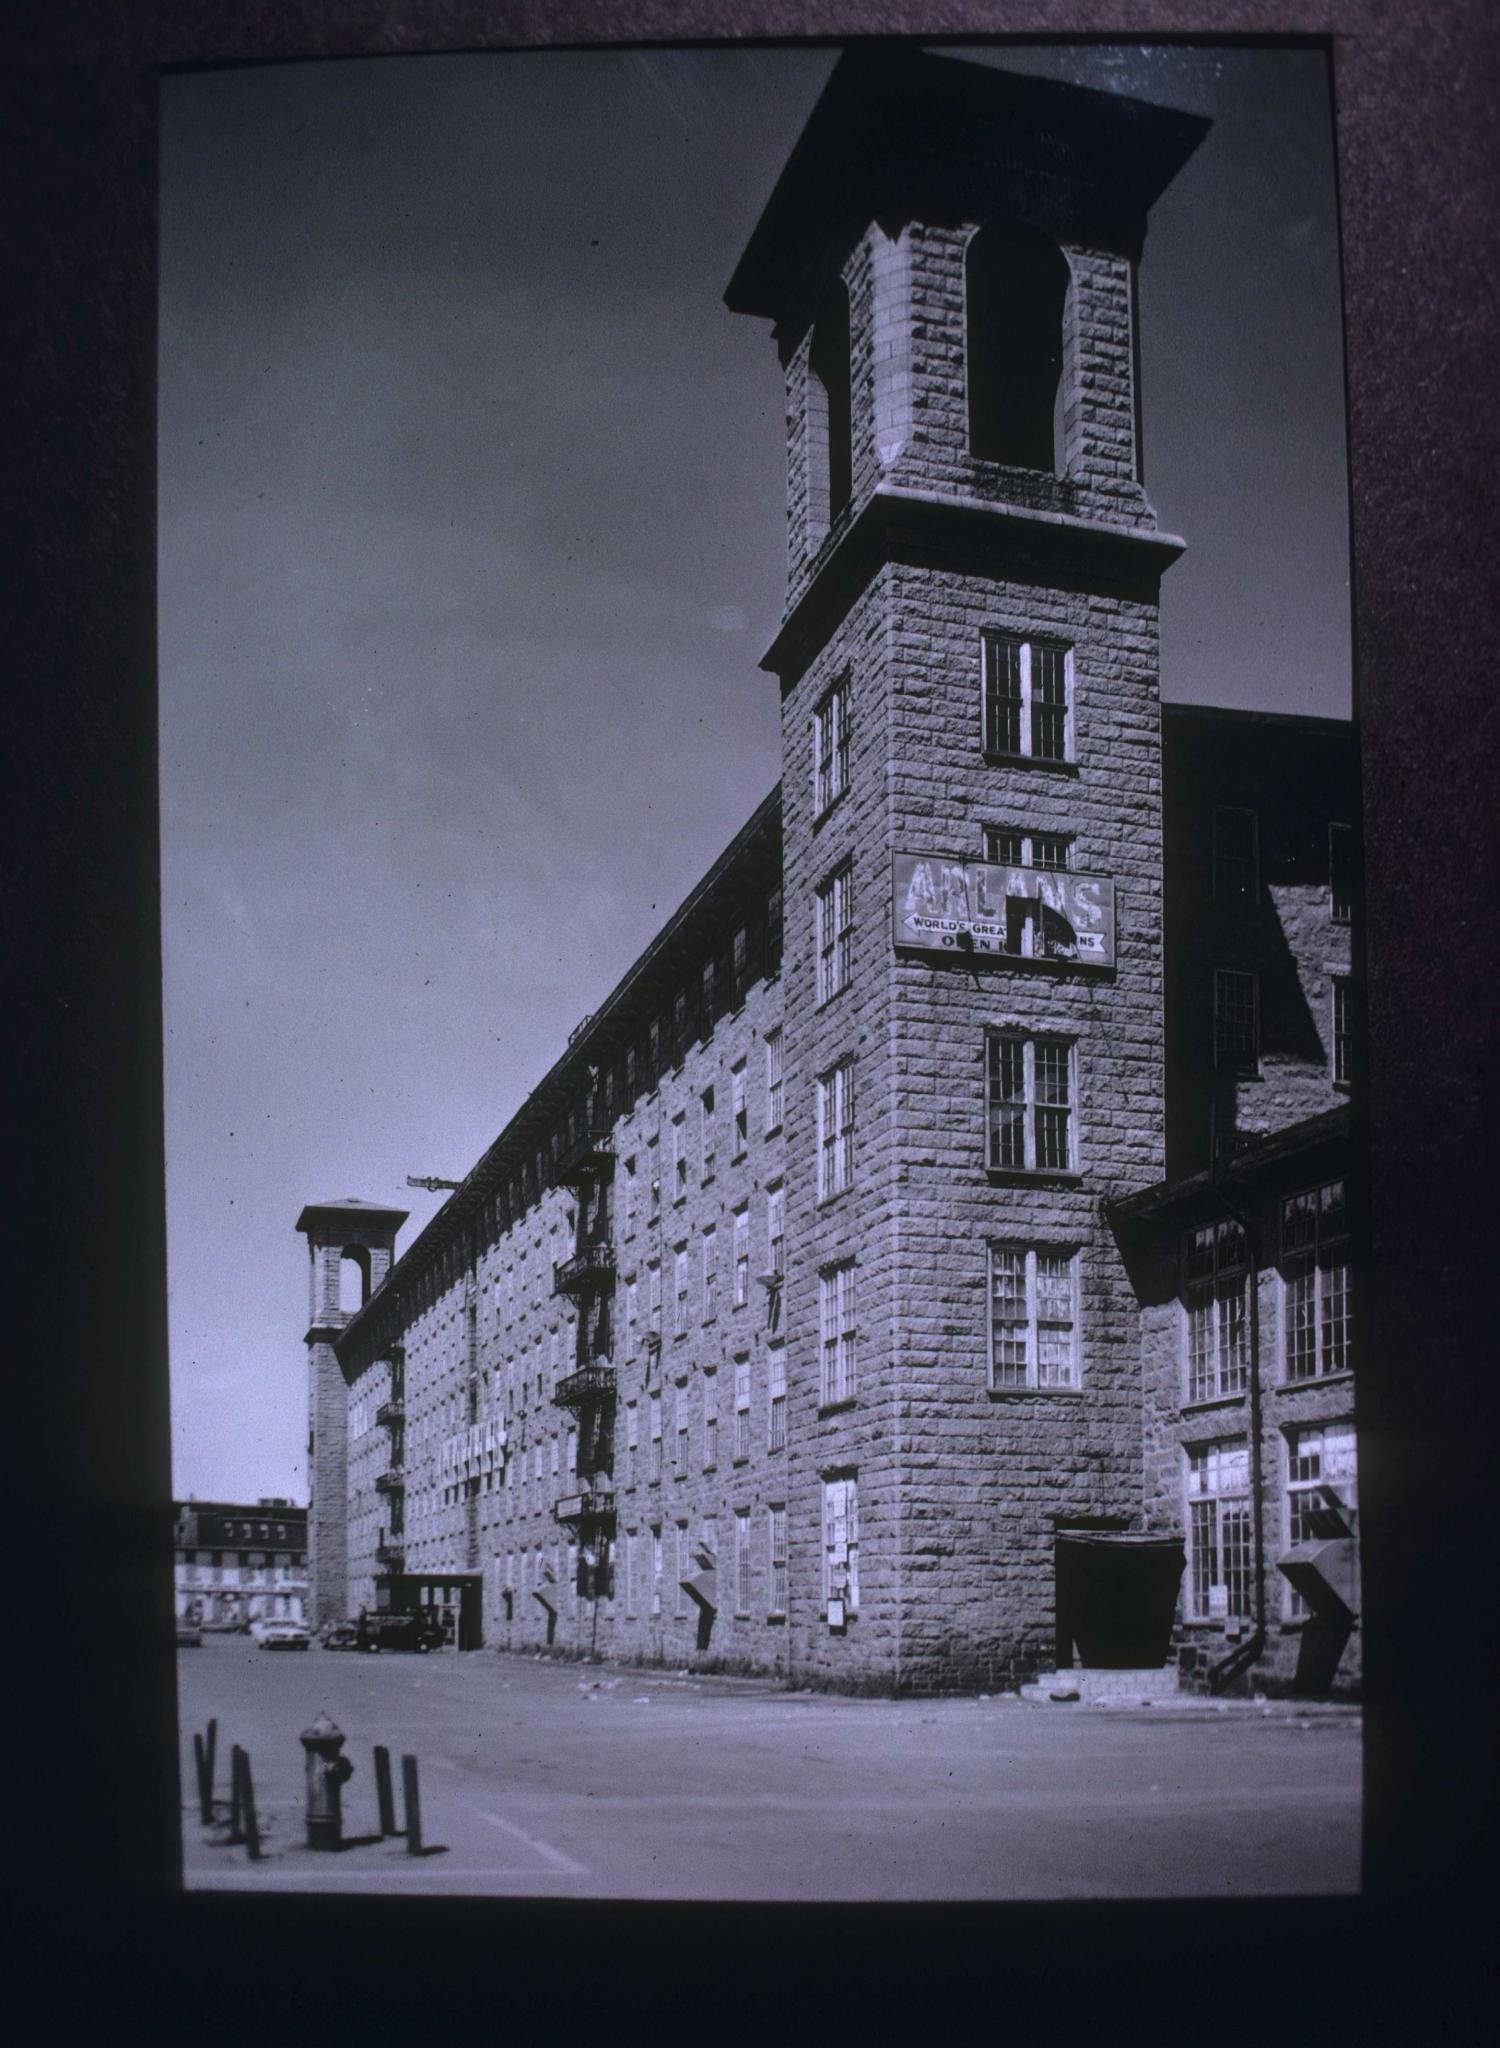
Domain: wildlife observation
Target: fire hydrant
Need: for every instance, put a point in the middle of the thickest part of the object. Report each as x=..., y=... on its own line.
x=327, y=1772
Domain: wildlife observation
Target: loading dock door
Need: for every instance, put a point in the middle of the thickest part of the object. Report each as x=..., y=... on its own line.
x=1120, y=1595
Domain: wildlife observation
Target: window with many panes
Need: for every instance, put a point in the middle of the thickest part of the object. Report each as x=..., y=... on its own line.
x=836, y=1130
x=710, y=1419
x=742, y=1561
x=656, y=1567
x=1315, y=1276
x=773, y=1081
x=1033, y=1317
x=836, y=1333
x=1236, y=861
x=683, y=1569
x=1321, y=1456
x=632, y=1440
x=710, y=1273
x=776, y=1231
x=741, y=1257
x=679, y=1157
x=1219, y=1531
x=654, y=1413
x=1029, y=1090
x=831, y=747
x=653, y=1172
x=835, y=932
x=632, y=1569
x=680, y=1278
x=708, y=1129
x=776, y=1556
x=1027, y=702
x=1236, y=1019
x=776, y=1392
x=1215, y=1281
x=653, y=1298
x=739, y=1109
x=742, y=1406
x=1341, y=1025
x=841, y=1542
x=1340, y=873
x=1008, y=846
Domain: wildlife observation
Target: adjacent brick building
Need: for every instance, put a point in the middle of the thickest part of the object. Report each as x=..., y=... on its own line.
x=791, y=1321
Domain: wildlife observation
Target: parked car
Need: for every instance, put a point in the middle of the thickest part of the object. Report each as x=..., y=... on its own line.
x=339, y=1635
x=398, y=1632
x=189, y=1635
x=280, y=1634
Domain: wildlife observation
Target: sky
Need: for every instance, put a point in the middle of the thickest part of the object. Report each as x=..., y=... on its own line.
x=471, y=539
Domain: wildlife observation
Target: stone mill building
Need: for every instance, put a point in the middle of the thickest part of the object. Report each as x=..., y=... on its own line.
x=928, y=1266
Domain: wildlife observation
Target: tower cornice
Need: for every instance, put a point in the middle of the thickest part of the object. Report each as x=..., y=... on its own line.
x=1027, y=544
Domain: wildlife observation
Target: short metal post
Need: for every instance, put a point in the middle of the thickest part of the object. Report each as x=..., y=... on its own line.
x=413, y=1801
x=385, y=1797
x=236, y=1796
x=247, y=1809
x=205, y=1796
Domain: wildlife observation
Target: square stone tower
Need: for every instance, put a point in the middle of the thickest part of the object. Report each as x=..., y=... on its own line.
x=973, y=852
x=350, y=1246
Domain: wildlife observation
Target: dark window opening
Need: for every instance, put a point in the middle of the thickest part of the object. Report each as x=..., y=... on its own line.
x=830, y=483
x=1016, y=293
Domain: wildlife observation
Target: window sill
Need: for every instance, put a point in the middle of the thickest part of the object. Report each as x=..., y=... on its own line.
x=1032, y=1177
x=1212, y=1401
x=776, y=1620
x=829, y=808
x=708, y=1470
x=737, y=1462
x=1329, y=1379
x=837, y=1407
x=1044, y=767
x=827, y=1201
x=1035, y=1393
x=772, y=1131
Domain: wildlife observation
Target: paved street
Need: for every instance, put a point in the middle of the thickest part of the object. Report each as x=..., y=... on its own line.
x=567, y=1780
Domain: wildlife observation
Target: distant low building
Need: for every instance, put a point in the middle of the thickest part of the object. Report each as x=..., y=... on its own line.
x=237, y=1563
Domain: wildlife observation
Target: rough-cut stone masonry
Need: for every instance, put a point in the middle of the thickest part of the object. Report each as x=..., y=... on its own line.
x=960, y=1487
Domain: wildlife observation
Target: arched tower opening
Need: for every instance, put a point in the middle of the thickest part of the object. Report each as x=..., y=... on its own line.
x=1016, y=283
x=830, y=425
x=354, y=1279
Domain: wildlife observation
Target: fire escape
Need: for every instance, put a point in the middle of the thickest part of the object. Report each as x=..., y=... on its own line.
x=588, y=1275
x=390, y=1548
